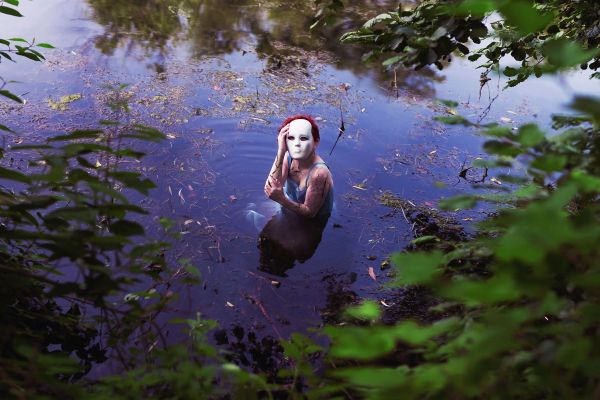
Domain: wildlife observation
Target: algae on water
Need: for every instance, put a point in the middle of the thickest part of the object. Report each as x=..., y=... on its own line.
x=63, y=103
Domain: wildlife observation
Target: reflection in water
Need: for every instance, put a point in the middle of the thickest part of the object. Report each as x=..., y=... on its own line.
x=149, y=24
x=278, y=31
x=288, y=238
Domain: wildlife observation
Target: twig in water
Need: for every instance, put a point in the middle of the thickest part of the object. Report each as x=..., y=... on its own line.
x=404, y=214
x=341, y=129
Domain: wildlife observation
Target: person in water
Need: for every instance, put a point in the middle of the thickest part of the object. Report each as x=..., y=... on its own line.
x=299, y=180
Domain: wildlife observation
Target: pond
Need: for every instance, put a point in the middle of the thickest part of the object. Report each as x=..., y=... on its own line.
x=218, y=78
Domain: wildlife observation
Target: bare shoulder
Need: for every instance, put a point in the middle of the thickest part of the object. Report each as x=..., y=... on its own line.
x=320, y=175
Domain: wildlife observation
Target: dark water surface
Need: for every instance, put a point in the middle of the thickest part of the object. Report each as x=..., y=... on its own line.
x=218, y=78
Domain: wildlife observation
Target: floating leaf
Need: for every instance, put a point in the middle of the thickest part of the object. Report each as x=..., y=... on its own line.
x=372, y=273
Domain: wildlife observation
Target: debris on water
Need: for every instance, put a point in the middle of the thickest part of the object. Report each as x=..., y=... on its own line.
x=361, y=186
x=506, y=119
x=276, y=283
x=424, y=221
x=336, y=225
x=385, y=264
x=228, y=304
x=372, y=273
x=63, y=103
x=371, y=257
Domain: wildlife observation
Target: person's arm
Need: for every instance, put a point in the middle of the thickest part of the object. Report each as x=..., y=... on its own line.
x=278, y=170
x=315, y=195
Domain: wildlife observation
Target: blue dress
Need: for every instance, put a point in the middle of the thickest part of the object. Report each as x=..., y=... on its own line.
x=293, y=192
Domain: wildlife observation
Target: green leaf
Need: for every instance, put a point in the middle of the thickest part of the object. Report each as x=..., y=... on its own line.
x=31, y=56
x=498, y=131
x=499, y=288
x=368, y=310
x=45, y=45
x=361, y=343
x=462, y=202
x=5, y=128
x=509, y=71
x=524, y=16
x=18, y=39
x=6, y=55
x=126, y=228
x=12, y=2
x=530, y=135
x=13, y=175
x=588, y=105
x=10, y=11
x=424, y=239
x=501, y=148
x=83, y=214
x=453, y=120
x=564, y=53
x=449, y=103
x=587, y=183
x=378, y=19
x=475, y=7
x=550, y=162
x=103, y=188
x=417, y=268
x=11, y=96
x=391, y=60
x=132, y=180
x=374, y=377
x=414, y=334
x=78, y=134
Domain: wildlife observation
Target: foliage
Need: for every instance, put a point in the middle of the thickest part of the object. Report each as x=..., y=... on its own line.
x=542, y=36
x=72, y=244
x=524, y=291
x=518, y=303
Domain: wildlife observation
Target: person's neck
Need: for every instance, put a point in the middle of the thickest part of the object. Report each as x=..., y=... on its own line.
x=307, y=162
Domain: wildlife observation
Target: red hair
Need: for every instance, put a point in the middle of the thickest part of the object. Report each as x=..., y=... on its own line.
x=313, y=124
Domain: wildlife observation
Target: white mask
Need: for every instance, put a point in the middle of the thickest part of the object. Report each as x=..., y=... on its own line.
x=300, y=142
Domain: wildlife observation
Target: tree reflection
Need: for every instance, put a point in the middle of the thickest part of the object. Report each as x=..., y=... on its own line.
x=277, y=30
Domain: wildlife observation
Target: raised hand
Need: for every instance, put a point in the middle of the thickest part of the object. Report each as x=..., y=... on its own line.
x=282, y=139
